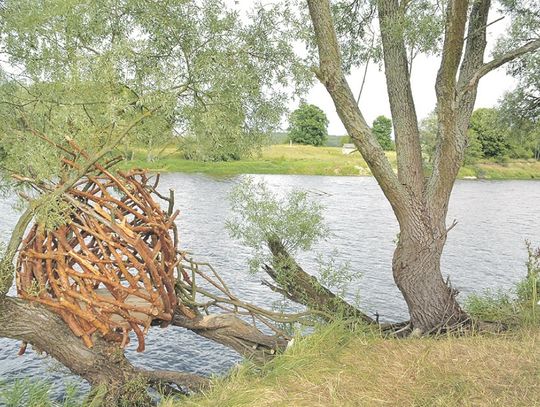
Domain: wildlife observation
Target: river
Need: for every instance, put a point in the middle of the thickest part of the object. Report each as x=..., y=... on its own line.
x=486, y=250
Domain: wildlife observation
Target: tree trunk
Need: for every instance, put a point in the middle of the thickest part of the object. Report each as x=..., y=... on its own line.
x=104, y=366
x=416, y=267
x=297, y=285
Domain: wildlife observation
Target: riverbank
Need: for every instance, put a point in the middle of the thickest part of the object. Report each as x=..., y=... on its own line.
x=308, y=160
x=336, y=368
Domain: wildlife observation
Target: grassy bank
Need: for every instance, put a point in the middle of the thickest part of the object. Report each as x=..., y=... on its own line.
x=307, y=160
x=336, y=368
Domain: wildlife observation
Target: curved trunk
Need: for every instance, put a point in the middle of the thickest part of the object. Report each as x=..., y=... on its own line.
x=115, y=380
x=416, y=267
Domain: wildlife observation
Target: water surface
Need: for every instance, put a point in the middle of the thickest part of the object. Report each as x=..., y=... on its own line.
x=485, y=250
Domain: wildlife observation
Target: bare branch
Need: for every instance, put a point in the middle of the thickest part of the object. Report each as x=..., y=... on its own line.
x=483, y=27
x=450, y=142
x=501, y=60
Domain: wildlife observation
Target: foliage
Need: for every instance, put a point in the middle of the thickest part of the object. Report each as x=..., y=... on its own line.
x=359, y=37
x=493, y=133
x=525, y=19
x=382, y=128
x=523, y=308
x=520, y=108
x=308, y=125
x=428, y=136
x=522, y=124
x=484, y=126
x=80, y=66
x=333, y=275
x=528, y=290
x=260, y=216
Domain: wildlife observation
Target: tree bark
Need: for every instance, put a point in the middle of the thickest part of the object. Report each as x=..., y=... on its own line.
x=402, y=107
x=416, y=269
x=303, y=288
x=233, y=332
x=103, y=366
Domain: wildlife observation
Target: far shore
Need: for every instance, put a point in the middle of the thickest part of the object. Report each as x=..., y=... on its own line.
x=308, y=160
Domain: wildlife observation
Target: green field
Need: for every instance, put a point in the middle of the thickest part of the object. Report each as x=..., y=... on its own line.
x=308, y=160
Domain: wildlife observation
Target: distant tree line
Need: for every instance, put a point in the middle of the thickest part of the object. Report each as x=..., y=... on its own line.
x=497, y=134
x=309, y=125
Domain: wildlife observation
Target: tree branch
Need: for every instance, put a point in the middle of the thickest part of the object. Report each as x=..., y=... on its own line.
x=305, y=289
x=104, y=364
x=331, y=75
x=450, y=142
x=405, y=121
x=501, y=60
x=233, y=332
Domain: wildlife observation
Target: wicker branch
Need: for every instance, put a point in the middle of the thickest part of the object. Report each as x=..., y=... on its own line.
x=111, y=267
x=114, y=266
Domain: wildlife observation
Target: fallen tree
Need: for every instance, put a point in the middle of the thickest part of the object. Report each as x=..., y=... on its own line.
x=109, y=267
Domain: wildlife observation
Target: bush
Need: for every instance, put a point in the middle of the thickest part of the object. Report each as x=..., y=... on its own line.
x=485, y=128
x=521, y=309
x=308, y=125
x=382, y=129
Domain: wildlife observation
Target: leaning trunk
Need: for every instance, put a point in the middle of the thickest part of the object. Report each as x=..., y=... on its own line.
x=417, y=272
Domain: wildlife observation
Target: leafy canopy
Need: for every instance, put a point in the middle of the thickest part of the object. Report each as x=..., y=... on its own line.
x=78, y=67
x=260, y=216
x=484, y=126
x=308, y=125
x=382, y=128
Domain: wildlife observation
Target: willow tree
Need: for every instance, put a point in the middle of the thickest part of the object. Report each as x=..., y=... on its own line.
x=217, y=83
x=420, y=202
x=95, y=74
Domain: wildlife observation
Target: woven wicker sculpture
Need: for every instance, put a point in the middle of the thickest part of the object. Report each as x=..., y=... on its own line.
x=110, y=268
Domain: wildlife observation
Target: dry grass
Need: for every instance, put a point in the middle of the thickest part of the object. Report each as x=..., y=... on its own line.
x=335, y=368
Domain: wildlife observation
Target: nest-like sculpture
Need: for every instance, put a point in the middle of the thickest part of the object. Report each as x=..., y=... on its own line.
x=110, y=267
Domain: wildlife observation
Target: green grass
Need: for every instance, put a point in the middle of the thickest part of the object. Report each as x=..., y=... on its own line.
x=276, y=159
x=334, y=367
x=308, y=160
x=514, y=169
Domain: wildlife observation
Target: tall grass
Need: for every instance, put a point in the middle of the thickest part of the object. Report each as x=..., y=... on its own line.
x=514, y=309
x=336, y=367
x=36, y=393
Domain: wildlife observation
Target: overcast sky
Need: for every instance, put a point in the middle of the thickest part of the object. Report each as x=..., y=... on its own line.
x=374, y=100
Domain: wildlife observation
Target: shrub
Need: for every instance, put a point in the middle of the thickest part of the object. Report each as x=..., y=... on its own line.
x=521, y=309
x=382, y=128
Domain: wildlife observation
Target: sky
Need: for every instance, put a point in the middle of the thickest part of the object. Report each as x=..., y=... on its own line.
x=374, y=100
